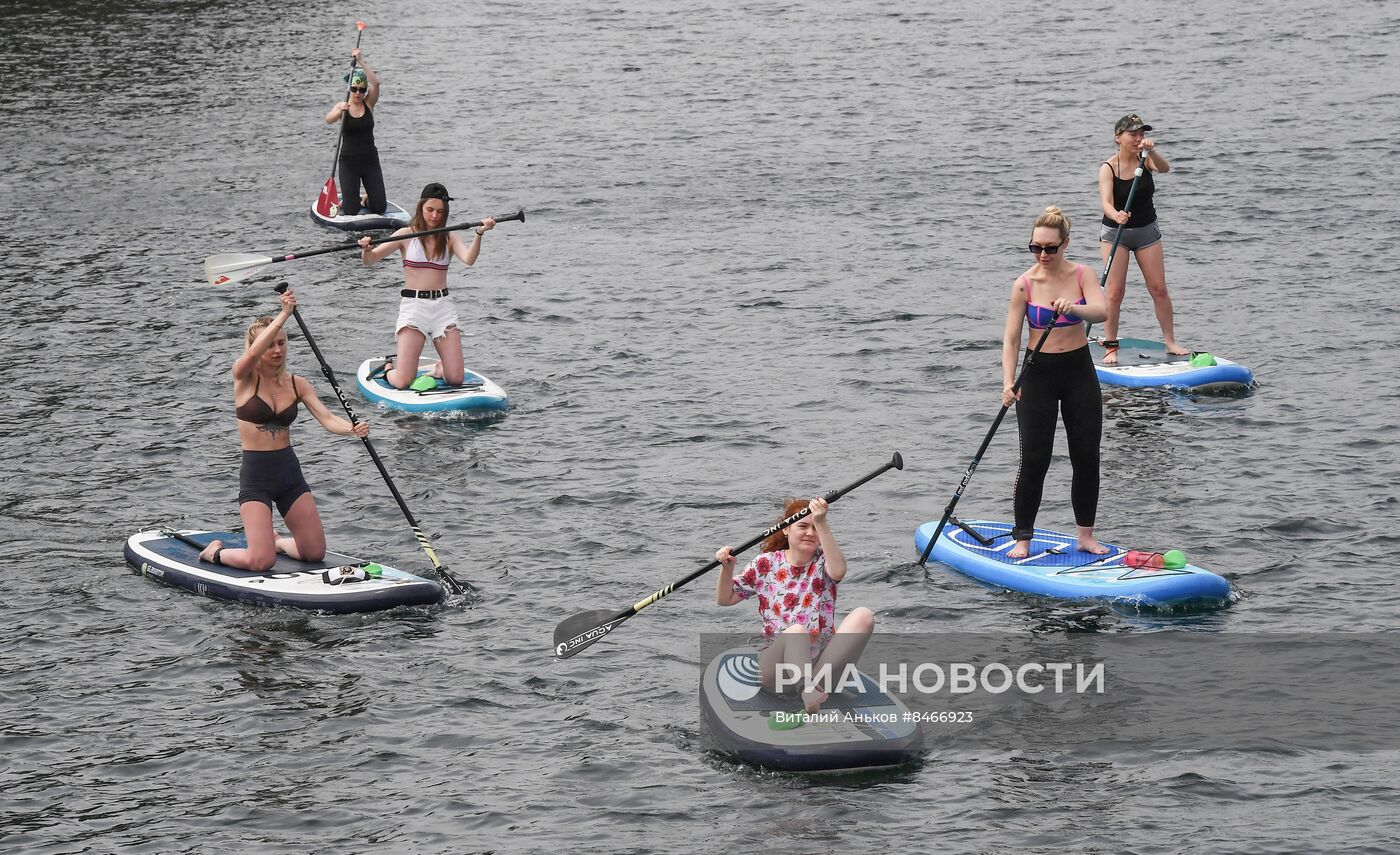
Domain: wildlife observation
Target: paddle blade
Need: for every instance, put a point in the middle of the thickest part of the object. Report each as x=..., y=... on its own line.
x=581, y=630
x=232, y=266
x=330, y=197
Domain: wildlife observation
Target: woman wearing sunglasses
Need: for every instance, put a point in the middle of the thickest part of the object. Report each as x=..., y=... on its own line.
x=1141, y=234
x=1054, y=298
x=359, y=159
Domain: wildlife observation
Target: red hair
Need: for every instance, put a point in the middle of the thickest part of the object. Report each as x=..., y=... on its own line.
x=778, y=539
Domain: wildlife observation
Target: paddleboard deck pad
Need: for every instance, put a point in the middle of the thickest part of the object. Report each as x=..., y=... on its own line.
x=854, y=731
x=1056, y=568
x=477, y=394
x=393, y=217
x=1147, y=363
x=159, y=555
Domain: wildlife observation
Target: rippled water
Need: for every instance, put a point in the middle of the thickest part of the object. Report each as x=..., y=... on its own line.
x=766, y=246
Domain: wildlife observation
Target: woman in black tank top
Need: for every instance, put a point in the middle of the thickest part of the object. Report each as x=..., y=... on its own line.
x=1142, y=237
x=359, y=159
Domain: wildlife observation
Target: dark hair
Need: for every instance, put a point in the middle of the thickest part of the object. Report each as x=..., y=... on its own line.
x=433, y=245
x=778, y=539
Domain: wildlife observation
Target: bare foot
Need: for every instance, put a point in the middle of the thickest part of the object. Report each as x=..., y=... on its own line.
x=211, y=551
x=1110, y=356
x=1091, y=546
x=1177, y=350
x=1020, y=550
x=813, y=700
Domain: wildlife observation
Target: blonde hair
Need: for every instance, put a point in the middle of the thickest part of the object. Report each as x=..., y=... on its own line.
x=254, y=329
x=1053, y=218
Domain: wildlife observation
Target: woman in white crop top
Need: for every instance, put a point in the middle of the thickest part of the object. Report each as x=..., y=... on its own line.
x=426, y=311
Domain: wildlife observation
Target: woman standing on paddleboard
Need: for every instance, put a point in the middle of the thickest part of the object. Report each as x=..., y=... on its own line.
x=426, y=311
x=795, y=579
x=359, y=158
x=1141, y=234
x=266, y=397
x=1058, y=295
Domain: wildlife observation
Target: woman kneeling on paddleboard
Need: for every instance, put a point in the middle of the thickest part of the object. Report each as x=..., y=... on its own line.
x=795, y=578
x=266, y=397
x=1057, y=295
x=425, y=309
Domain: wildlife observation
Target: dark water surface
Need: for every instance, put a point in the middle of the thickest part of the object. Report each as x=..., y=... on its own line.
x=767, y=245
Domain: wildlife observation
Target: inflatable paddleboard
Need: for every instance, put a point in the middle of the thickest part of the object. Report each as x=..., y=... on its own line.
x=338, y=584
x=393, y=217
x=477, y=394
x=1056, y=568
x=854, y=731
x=1147, y=363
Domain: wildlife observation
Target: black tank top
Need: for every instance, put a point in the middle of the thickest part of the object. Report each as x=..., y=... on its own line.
x=357, y=135
x=1143, y=213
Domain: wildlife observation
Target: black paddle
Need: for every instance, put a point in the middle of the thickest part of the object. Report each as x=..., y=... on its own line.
x=1016, y=387
x=235, y=266
x=447, y=577
x=581, y=630
x=330, y=194
x=1118, y=235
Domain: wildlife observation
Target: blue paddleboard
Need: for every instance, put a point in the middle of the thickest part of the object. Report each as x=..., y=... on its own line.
x=1147, y=363
x=478, y=394
x=1056, y=568
x=331, y=585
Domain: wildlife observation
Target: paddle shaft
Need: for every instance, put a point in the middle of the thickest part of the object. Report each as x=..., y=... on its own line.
x=1118, y=233
x=518, y=215
x=452, y=582
x=1016, y=387
x=568, y=647
x=340, y=135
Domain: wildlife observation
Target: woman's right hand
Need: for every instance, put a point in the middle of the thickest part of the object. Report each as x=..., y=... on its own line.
x=342, y=106
x=1010, y=394
x=366, y=242
x=289, y=302
x=1121, y=217
x=725, y=556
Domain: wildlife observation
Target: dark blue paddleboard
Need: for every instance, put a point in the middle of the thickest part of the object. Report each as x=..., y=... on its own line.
x=332, y=585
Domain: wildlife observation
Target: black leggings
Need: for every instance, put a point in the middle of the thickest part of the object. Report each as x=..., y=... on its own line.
x=354, y=171
x=1067, y=382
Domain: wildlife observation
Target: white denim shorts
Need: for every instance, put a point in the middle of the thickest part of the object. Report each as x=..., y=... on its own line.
x=432, y=318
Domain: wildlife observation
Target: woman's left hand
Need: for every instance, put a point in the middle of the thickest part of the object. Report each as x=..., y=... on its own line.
x=360, y=429
x=486, y=225
x=1063, y=306
x=818, y=507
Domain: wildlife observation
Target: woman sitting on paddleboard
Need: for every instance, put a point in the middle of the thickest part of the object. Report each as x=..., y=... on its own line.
x=795, y=578
x=426, y=312
x=266, y=397
x=1057, y=294
x=1141, y=234
x=359, y=158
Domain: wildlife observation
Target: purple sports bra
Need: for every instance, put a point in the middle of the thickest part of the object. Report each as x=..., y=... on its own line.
x=1039, y=317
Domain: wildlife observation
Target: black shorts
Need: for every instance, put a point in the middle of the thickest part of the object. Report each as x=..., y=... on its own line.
x=271, y=477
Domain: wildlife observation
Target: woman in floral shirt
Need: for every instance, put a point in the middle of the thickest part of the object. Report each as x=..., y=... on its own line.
x=795, y=579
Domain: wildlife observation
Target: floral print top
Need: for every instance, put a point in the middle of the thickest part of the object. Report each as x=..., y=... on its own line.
x=791, y=596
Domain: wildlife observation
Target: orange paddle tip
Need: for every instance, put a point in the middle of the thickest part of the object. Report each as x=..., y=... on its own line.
x=359, y=25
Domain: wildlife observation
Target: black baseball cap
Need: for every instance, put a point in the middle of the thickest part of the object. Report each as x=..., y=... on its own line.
x=435, y=191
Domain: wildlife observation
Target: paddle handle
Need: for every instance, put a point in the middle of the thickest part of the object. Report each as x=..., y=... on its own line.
x=340, y=134
x=518, y=215
x=456, y=586
x=896, y=462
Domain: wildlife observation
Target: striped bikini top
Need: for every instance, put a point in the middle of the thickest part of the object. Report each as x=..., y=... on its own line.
x=416, y=258
x=1039, y=317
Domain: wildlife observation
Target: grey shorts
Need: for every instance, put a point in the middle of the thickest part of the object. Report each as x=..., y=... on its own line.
x=1133, y=239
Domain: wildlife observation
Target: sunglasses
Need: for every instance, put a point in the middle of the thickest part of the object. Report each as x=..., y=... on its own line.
x=1048, y=249
x=359, y=88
